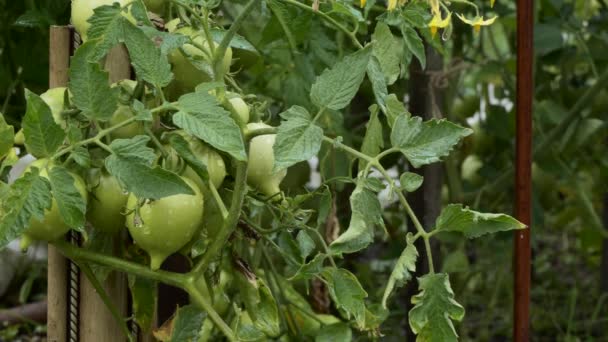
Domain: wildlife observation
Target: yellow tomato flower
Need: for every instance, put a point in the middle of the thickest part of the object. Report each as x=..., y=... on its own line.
x=477, y=22
x=391, y=5
x=492, y=3
x=363, y=2
x=437, y=23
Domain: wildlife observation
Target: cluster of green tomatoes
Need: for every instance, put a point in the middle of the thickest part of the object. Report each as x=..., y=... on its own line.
x=164, y=226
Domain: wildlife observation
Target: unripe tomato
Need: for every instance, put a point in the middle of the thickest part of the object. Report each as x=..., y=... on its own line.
x=54, y=99
x=164, y=226
x=105, y=211
x=212, y=160
x=240, y=108
x=156, y=6
x=129, y=131
x=52, y=226
x=470, y=165
x=187, y=76
x=82, y=10
x=261, y=162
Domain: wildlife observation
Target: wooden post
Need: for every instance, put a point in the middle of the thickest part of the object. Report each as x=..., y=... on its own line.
x=95, y=320
x=59, y=61
x=523, y=169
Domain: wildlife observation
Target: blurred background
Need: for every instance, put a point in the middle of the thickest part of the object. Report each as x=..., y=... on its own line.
x=476, y=82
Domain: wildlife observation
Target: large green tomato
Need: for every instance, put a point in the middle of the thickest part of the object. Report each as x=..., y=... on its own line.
x=52, y=226
x=105, y=211
x=129, y=131
x=82, y=10
x=261, y=162
x=164, y=226
x=187, y=76
x=54, y=99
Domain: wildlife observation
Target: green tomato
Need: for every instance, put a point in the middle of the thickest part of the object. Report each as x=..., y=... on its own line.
x=469, y=168
x=129, y=131
x=210, y=158
x=82, y=10
x=164, y=226
x=156, y=6
x=105, y=211
x=188, y=76
x=261, y=162
x=51, y=227
x=240, y=108
x=54, y=99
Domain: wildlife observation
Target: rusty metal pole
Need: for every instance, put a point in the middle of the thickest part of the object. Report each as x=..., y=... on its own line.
x=523, y=169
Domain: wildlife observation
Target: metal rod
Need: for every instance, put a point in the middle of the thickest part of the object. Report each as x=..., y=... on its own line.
x=523, y=169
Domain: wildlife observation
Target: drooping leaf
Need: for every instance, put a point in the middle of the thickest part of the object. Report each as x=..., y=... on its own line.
x=426, y=142
x=414, y=44
x=72, y=206
x=200, y=115
x=347, y=293
x=27, y=198
x=378, y=81
x=435, y=308
x=389, y=52
x=298, y=138
x=402, y=273
x=7, y=134
x=366, y=213
x=260, y=304
x=334, y=333
x=336, y=87
x=456, y=218
x=89, y=86
x=373, y=142
x=306, y=243
x=410, y=181
x=187, y=323
x=42, y=135
x=310, y=269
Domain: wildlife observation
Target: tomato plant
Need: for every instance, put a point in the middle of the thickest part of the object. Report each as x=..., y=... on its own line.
x=201, y=149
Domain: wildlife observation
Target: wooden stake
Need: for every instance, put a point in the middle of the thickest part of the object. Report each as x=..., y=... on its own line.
x=96, y=321
x=59, y=61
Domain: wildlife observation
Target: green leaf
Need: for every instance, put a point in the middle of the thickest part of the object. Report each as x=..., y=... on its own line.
x=366, y=213
x=426, y=142
x=373, y=142
x=28, y=198
x=144, y=294
x=334, y=333
x=187, y=323
x=200, y=115
x=168, y=41
x=394, y=108
x=435, y=308
x=410, y=181
x=237, y=41
x=106, y=29
x=131, y=165
x=414, y=43
x=42, y=135
x=89, y=86
x=181, y=146
x=298, y=138
x=336, y=87
x=389, y=52
x=378, y=81
x=148, y=61
x=347, y=293
x=311, y=269
x=72, y=206
x=455, y=218
x=7, y=134
x=81, y=156
x=260, y=305
x=134, y=149
x=402, y=273
x=306, y=243
x=347, y=10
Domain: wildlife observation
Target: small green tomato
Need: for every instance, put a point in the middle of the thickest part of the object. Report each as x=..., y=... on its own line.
x=107, y=205
x=82, y=10
x=261, y=162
